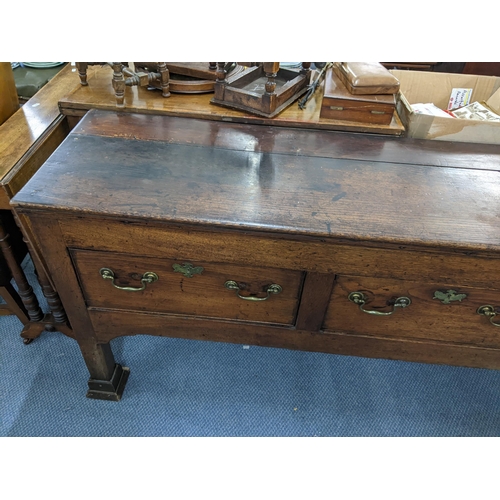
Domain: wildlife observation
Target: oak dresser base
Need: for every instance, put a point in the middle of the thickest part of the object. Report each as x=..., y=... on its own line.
x=318, y=241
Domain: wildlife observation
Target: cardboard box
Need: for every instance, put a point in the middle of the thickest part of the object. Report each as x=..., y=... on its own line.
x=424, y=87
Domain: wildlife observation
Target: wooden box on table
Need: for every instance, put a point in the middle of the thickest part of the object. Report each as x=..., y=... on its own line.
x=366, y=78
x=339, y=104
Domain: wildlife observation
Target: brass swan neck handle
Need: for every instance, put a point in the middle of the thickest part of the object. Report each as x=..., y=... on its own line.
x=360, y=299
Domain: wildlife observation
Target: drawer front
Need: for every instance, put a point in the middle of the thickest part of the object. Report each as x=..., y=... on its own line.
x=191, y=287
x=437, y=312
x=259, y=250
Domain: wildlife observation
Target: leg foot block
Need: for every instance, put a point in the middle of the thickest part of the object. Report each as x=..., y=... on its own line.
x=109, y=390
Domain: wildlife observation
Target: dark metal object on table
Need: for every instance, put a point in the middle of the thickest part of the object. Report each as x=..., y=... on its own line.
x=313, y=86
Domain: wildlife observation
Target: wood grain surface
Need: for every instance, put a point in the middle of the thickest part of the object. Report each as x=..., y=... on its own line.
x=290, y=251
x=110, y=324
x=330, y=197
x=425, y=318
x=322, y=143
x=320, y=213
x=203, y=294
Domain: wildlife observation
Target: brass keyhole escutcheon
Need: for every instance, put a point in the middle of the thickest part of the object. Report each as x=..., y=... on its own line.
x=187, y=269
x=449, y=296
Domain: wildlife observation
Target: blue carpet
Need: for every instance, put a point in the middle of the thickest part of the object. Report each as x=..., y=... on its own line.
x=193, y=388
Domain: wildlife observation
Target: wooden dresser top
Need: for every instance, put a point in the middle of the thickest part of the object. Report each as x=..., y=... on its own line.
x=323, y=184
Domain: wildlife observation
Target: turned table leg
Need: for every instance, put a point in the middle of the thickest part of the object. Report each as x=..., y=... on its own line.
x=56, y=320
x=220, y=73
x=164, y=79
x=26, y=292
x=305, y=68
x=14, y=303
x=118, y=83
x=82, y=72
x=271, y=71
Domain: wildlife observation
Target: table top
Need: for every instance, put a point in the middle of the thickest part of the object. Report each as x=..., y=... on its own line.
x=329, y=185
x=30, y=121
x=99, y=94
x=24, y=130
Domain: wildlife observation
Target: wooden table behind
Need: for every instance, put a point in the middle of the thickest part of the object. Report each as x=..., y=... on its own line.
x=27, y=139
x=99, y=94
x=32, y=133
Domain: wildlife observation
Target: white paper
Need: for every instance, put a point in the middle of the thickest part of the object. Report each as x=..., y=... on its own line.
x=459, y=98
x=429, y=108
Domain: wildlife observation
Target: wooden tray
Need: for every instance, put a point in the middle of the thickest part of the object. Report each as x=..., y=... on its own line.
x=247, y=91
x=99, y=94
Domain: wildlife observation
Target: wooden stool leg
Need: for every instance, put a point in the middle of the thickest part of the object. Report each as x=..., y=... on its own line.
x=14, y=303
x=271, y=72
x=56, y=320
x=164, y=78
x=26, y=292
x=82, y=72
x=118, y=83
x=220, y=73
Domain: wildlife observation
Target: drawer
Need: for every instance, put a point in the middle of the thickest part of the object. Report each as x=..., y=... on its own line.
x=188, y=287
x=437, y=312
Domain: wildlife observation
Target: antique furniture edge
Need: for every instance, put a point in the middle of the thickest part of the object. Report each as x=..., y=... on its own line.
x=149, y=190
x=30, y=135
x=308, y=205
